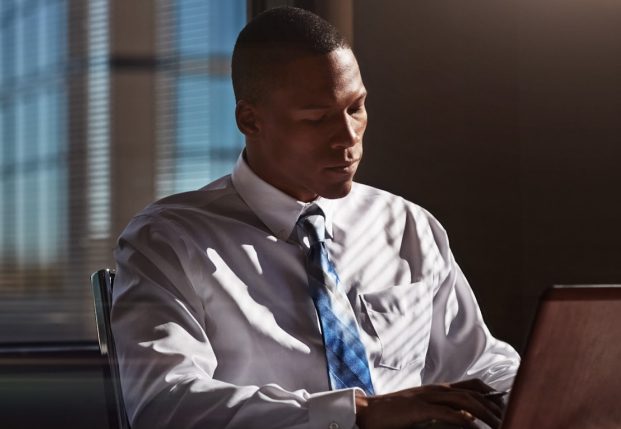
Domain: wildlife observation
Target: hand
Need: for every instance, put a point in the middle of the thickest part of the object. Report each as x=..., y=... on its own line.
x=457, y=404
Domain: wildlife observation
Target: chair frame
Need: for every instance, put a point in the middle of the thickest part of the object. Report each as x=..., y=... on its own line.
x=102, y=283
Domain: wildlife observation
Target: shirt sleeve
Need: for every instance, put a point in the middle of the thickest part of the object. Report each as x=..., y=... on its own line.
x=461, y=346
x=166, y=361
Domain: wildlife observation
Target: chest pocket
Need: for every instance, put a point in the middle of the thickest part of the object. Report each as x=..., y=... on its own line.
x=401, y=319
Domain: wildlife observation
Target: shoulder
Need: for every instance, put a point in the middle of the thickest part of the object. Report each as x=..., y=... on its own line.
x=171, y=212
x=205, y=198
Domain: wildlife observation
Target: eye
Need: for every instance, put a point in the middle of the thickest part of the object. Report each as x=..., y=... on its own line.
x=356, y=109
x=316, y=118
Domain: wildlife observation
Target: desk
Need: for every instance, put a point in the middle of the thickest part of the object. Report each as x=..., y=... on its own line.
x=52, y=385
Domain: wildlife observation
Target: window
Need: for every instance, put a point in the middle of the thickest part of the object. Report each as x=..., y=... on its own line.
x=37, y=97
x=59, y=198
x=197, y=130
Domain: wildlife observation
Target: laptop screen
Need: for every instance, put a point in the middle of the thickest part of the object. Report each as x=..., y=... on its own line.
x=570, y=376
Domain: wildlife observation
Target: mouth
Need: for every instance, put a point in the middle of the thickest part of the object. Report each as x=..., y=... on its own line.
x=345, y=168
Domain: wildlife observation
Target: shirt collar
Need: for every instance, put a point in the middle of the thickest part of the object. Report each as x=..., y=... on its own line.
x=277, y=210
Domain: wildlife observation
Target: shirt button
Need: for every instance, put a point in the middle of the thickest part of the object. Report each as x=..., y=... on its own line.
x=334, y=425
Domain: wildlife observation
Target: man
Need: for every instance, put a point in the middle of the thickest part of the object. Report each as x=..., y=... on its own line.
x=287, y=296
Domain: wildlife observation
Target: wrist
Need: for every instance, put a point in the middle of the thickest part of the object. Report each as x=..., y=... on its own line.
x=361, y=402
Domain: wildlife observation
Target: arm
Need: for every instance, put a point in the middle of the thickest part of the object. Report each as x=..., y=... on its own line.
x=460, y=348
x=460, y=340
x=456, y=405
x=166, y=360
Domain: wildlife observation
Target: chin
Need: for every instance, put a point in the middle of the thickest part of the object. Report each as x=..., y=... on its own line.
x=336, y=191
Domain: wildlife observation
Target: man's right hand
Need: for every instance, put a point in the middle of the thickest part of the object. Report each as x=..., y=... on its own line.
x=457, y=404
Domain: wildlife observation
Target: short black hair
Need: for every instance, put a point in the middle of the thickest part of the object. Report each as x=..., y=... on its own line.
x=271, y=39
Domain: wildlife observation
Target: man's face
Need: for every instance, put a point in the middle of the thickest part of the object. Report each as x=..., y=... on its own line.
x=310, y=127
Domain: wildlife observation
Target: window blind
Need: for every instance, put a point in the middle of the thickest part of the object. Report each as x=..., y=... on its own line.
x=56, y=144
x=49, y=91
x=198, y=140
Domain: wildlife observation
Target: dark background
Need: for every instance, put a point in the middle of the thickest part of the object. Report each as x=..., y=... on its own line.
x=502, y=119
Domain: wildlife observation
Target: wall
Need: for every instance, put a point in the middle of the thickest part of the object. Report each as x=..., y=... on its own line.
x=501, y=118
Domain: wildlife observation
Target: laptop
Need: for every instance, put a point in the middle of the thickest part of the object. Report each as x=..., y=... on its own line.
x=570, y=376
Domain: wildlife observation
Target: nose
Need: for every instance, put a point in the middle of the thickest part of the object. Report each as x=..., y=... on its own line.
x=349, y=132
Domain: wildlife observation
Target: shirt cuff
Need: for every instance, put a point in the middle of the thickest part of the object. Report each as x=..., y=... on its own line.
x=335, y=409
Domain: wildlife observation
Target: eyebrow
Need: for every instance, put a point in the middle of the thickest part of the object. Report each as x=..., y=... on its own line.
x=330, y=106
x=314, y=107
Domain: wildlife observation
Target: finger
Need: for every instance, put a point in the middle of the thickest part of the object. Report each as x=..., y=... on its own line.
x=499, y=398
x=435, y=414
x=481, y=392
x=475, y=384
x=470, y=402
x=487, y=403
x=499, y=402
x=490, y=403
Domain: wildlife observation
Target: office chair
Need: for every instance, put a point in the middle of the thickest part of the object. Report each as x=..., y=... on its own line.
x=102, y=282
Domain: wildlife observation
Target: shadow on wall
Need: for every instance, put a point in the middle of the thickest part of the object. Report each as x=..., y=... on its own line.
x=502, y=120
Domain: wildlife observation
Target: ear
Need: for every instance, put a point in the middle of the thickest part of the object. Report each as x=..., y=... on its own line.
x=247, y=118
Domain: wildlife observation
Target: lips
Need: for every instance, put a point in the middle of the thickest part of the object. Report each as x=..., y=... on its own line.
x=345, y=164
x=346, y=168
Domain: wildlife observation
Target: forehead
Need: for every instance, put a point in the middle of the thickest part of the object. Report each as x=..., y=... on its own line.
x=319, y=79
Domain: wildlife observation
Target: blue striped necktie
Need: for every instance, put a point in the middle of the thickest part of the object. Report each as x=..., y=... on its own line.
x=345, y=353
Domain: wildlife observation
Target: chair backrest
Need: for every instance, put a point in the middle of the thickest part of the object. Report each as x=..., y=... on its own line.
x=102, y=283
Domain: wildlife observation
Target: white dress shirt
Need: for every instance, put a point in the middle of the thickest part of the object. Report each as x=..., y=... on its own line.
x=215, y=326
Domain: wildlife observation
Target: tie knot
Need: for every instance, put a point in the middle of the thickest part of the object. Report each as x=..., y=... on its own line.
x=312, y=224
